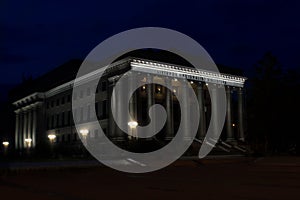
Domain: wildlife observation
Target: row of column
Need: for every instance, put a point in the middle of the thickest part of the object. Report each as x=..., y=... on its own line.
x=169, y=109
x=25, y=132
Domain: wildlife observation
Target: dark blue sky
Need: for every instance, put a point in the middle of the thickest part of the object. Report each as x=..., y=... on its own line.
x=37, y=36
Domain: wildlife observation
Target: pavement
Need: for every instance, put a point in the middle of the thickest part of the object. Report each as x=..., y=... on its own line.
x=212, y=178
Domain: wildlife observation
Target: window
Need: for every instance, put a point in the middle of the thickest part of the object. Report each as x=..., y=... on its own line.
x=75, y=136
x=75, y=119
x=69, y=98
x=63, y=100
x=57, y=102
x=81, y=114
x=63, y=118
x=88, y=112
x=104, y=108
x=52, y=121
x=57, y=120
x=97, y=109
x=48, y=105
x=52, y=104
x=103, y=86
x=49, y=123
x=69, y=118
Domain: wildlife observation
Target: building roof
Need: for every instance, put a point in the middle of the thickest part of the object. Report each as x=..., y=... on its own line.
x=67, y=72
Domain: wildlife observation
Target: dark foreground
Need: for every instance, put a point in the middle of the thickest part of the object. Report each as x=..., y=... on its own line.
x=238, y=178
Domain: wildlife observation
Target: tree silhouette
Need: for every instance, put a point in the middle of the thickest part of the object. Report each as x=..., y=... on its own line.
x=271, y=106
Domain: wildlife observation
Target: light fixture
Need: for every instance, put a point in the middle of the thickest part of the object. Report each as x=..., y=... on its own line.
x=51, y=137
x=5, y=144
x=175, y=79
x=133, y=124
x=28, y=140
x=174, y=91
x=206, y=84
x=144, y=87
x=84, y=132
x=192, y=82
x=233, y=125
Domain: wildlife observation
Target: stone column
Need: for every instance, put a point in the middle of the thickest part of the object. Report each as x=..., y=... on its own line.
x=169, y=109
x=17, y=131
x=185, y=107
x=29, y=122
x=214, y=111
x=25, y=128
x=34, y=124
x=20, y=130
x=150, y=95
x=202, y=123
x=133, y=101
x=111, y=123
x=230, y=136
x=240, y=95
x=120, y=101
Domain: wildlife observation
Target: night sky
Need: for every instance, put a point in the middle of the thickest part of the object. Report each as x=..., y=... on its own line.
x=37, y=36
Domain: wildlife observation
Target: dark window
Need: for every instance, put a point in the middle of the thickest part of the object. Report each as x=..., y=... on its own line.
x=48, y=105
x=52, y=120
x=103, y=86
x=52, y=103
x=49, y=123
x=97, y=109
x=69, y=118
x=75, y=119
x=88, y=112
x=57, y=102
x=104, y=108
x=81, y=114
x=75, y=136
x=63, y=138
x=68, y=98
x=69, y=137
x=63, y=100
x=63, y=118
x=57, y=120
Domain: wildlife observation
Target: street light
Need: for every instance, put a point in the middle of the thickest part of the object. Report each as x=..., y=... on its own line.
x=52, y=137
x=84, y=133
x=5, y=144
x=28, y=142
x=133, y=125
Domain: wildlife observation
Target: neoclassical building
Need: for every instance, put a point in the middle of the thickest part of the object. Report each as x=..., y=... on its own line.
x=45, y=115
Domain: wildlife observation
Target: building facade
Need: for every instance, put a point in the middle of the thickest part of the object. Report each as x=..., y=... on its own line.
x=47, y=116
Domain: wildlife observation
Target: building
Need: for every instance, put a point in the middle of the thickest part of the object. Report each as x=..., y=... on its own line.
x=44, y=114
